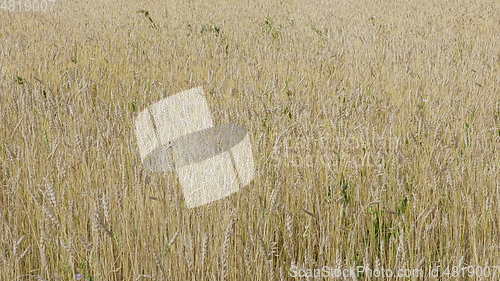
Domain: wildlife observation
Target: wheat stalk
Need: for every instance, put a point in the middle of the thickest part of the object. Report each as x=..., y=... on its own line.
x=51, y=195
x=99, y=222
x=49, y=205
x=204, y=250
x=105, y=209
x=50, y=215
x=290, y=246
x=225, y=247
x=401, y=250
x=172, y=240
x=282, y=274
x=42, y=247
x=188, y=254
x=274, y=202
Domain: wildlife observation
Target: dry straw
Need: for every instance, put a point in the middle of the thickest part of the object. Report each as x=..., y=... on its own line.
x=346, y=102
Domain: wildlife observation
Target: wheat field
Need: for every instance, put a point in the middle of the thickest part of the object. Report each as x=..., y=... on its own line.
x=375, y=129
